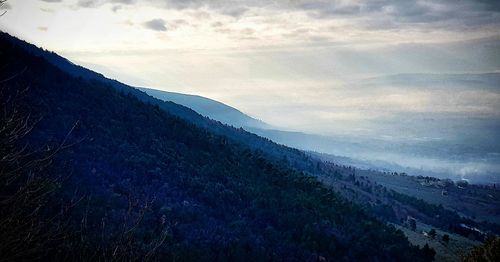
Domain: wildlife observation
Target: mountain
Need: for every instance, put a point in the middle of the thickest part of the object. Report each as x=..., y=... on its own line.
x=470, y=80
x=116, y=152
x=237, y=135
x=138, y=180
x=209, y=108
x=298, y=159
x=202, y=105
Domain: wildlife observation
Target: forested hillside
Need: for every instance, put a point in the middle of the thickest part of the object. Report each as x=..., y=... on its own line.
x=294, y=157
x=132, y=181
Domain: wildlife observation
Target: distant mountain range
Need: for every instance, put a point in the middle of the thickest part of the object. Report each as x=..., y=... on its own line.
x=484, y=80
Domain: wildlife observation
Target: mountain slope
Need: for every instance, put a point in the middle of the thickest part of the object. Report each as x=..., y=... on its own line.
x=216, y=198
x=204, y=106
x=208, y=107
x=295, y=157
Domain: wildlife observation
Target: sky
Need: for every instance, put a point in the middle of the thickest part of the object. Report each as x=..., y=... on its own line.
x=324, y=67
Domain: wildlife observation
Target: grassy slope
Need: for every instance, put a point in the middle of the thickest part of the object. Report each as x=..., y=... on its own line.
x=451, y=251
x=481, y=203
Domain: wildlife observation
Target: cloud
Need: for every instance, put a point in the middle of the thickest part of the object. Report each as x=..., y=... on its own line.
x=47, y=10
x=116, y=8
x=223, y=30
x=98, y=3
x=176, y=23
x=43, y=28
x=330, y=8
x=217, y=24
x=373, y=14
x=87, y=3
x=388, y=14
x=297, y=33
x=156, y=24
x=161, y=25
x=52, y=1
x=201, y=15
x=125, y=2
x=248, y=31
x=235, y=12
x=128, y=22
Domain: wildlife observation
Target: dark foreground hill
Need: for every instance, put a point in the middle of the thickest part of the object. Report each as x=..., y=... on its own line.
x=134, y=182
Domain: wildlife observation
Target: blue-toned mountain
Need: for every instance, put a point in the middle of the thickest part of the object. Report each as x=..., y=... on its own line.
x=209, y=108
x=147, y=179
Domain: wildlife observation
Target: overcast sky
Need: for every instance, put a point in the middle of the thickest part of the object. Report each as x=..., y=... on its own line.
x=297, y=64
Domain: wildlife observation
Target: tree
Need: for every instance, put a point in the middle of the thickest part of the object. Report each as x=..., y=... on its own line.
x=25, y=188
x=24, y=185
x=412, y=223
x=26, y=229
x=432, y=233
x=446, y=238
x=488, y=252
x=462, y=183
x=428, y=253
